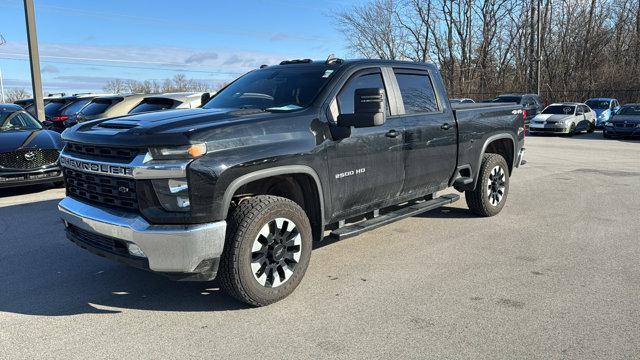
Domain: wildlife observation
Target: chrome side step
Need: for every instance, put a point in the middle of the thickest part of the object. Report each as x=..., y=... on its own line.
x=387, y=218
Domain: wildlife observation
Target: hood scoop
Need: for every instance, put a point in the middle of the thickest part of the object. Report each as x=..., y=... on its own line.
x=111, y=124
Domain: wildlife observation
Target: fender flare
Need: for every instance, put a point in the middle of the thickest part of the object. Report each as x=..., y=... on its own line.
x=275, y=171
x=489, y=140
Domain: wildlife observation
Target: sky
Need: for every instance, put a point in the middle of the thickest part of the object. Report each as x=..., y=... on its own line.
x=83, y=44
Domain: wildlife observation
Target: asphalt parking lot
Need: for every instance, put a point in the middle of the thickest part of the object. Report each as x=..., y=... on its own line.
x=555, y=275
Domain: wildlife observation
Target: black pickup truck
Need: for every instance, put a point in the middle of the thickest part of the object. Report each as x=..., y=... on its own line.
x=283, y=156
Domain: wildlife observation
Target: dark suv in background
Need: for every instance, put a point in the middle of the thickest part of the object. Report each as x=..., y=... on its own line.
x=531, y=103
x=59, y=110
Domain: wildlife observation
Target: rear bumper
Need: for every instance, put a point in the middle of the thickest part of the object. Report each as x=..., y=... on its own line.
x=520, y=158
x=188, y=252
x=30, y=177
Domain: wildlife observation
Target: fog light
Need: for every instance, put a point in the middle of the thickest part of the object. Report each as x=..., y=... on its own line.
x=135, y=250
x=173, y=194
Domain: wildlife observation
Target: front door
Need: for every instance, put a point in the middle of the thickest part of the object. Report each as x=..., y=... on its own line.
x=365, y=168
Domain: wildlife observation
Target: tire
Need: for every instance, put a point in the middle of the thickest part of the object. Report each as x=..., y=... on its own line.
x=264, y=258
x=592, y=128
x=485, y=199
x=605, y=135
x=572, y=130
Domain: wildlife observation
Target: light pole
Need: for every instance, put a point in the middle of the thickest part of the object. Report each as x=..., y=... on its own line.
x=34, y=59
x=2, y=42
x=539, y=48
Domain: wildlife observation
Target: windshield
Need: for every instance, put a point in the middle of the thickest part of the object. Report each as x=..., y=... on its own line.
x=152, y=104
x=559, y=110
x=508, y=99
x=630, y=110
x=277, y=89
x=598, y=104
x=18, y=120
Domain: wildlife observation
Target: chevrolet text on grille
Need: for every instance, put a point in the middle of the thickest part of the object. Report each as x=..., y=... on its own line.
x=96, y=167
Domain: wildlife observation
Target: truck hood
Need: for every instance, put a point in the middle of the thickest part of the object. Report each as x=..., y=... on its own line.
x=29, y=139
x=165, y=128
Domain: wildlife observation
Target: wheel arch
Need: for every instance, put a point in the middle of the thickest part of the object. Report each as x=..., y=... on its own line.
x=316, y=194
x=502, y=144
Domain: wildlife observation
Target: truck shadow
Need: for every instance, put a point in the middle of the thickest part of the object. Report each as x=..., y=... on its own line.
x=42, y=273
x=25, y=190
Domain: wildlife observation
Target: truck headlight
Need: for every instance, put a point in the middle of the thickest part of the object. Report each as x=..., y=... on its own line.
x=173, y=194
x=191, y=151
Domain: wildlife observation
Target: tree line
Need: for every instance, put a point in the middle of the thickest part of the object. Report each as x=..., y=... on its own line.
x=486, y=47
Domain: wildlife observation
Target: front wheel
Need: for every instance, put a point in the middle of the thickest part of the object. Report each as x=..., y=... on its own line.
x=267, y=250
x=592, y=128
x=490, y=194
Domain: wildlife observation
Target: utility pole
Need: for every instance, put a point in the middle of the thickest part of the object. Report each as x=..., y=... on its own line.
x=2, y=42
x=34, y=59
x=539, y=71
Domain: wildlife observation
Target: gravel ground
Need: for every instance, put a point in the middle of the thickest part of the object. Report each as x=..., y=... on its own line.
x=555, y=275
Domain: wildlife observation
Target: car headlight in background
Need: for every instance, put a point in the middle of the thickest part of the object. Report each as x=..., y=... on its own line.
x=173, y=194
x=191, y=151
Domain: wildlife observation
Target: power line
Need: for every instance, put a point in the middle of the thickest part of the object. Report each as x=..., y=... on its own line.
x=87, y=62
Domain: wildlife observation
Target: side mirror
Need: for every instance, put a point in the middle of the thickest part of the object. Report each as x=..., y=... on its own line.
x=369, y=109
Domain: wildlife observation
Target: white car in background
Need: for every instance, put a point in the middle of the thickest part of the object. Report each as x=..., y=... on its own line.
x=166, y=101
x=564, y=118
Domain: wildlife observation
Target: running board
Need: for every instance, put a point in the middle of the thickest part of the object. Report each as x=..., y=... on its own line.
x=404, y=212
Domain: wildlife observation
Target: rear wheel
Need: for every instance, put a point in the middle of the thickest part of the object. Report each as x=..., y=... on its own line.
x=267, y=250
x=490, y=194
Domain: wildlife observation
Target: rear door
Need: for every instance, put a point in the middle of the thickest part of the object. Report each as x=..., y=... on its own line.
x=365, y=168
x=429, y=147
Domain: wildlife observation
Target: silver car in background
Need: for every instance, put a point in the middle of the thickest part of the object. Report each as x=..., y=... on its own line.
x=168, y=101
x=564, y=118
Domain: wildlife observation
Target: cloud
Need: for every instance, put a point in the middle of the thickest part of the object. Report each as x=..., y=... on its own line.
x=200, y=58
x=232, y=60
x=50, y=69
x=279, y=37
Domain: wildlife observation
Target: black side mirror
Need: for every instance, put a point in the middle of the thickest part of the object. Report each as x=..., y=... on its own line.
x=369, y=109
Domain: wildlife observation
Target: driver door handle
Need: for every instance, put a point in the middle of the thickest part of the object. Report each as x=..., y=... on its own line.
x=445, y=126
x=392, y=134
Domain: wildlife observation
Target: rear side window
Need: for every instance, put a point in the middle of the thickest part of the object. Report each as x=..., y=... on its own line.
x=97, y=106
x=75, y=107
x=417, y=93
x=152, y=105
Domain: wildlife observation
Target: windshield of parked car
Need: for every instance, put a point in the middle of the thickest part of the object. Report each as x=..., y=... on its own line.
x=152, y=104
x=559, y=110
x=18, y=120
x=508, y=99
x=630, y=110
x=598, y=104
x=273, y=89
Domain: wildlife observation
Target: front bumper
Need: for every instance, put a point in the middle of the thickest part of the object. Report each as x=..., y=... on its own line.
x=549, y=128
x=188, y=252
x=30, y=177
x=615, y=131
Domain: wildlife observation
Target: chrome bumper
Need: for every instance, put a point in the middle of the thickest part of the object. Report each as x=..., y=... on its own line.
x=168, y=248
x=520, y=159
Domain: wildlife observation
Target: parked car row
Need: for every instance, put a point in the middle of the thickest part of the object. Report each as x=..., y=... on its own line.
x=64, y=111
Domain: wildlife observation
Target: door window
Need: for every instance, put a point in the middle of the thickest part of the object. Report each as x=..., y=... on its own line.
x=417, y=93
x=365, y=81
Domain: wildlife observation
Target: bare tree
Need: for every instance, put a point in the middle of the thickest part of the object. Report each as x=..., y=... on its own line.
x=13, y=94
